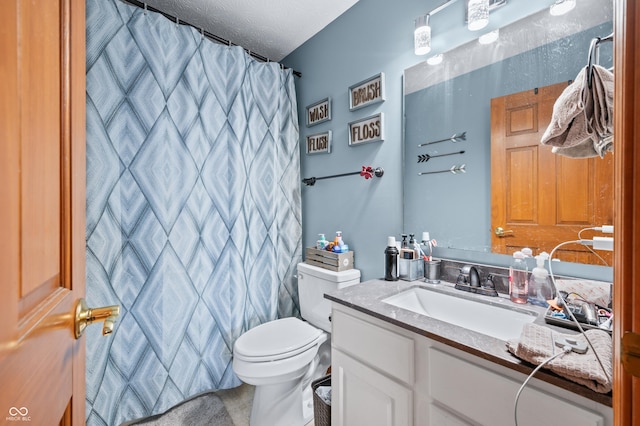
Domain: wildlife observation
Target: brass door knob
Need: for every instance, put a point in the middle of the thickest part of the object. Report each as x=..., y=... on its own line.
x=85, y=316
x=501, y=232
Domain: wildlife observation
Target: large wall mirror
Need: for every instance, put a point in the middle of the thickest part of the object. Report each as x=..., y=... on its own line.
x=455, y=97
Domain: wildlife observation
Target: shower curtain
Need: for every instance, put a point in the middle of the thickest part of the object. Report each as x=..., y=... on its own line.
x=193, y=207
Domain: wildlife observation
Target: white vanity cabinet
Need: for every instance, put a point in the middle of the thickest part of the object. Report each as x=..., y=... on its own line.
x=383, y=374
x=372, y=373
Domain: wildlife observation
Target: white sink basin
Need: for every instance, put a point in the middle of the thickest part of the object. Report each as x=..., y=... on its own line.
x=486, y=317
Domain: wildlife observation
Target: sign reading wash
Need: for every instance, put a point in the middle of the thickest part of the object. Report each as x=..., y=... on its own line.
x=369, y=129
x=367, y=92
x=319, y=112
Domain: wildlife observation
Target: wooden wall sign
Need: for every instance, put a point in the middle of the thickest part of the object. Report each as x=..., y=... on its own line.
x=319, y=112
x=369, y=129
x=367, y=92
x=320, y=143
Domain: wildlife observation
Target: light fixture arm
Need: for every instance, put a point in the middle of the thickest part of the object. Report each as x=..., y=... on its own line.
x=442, y=7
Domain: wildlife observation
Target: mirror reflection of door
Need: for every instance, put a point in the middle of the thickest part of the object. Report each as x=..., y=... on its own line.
x=538, y=198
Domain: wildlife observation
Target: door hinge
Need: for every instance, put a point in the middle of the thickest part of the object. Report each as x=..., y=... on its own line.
x=631, y=353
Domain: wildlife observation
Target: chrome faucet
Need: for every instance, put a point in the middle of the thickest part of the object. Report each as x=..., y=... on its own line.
x=469, y=280
x=474, y=277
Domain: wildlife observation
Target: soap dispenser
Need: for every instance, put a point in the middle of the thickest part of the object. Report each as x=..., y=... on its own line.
x=518, y=279
x=540, y=286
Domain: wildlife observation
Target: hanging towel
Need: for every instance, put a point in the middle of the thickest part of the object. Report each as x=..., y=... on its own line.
x=537, y=343
x=582, y=121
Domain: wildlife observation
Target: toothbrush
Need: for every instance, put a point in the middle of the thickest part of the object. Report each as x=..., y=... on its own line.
x=432, y=243
x=417, y=247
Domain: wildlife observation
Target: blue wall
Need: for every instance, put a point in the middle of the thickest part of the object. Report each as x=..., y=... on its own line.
x=373, y=36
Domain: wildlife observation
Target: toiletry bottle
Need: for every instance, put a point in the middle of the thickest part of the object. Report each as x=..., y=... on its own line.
x=414, y=245
x=339, y=245
x=322, y=242
x=518, y=279
x=405, y=251
x=527, y=252
x=540, y=287
x=337, y=241
x=391, y=260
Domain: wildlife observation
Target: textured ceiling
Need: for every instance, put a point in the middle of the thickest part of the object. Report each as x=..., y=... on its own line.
x=271, y=28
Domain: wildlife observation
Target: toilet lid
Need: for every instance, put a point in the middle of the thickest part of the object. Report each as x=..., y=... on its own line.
x=277, y=339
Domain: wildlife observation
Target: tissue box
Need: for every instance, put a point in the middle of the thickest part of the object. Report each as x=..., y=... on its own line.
x=329, y=260
x=410, y=269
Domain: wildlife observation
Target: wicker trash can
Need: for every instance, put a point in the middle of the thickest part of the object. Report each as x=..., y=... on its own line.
x=321, y=410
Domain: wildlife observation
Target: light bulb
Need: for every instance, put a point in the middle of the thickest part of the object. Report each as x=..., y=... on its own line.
x=435, y=59
x=560, y=7
x=422, y=36
x=477, y=14
x=489, y=37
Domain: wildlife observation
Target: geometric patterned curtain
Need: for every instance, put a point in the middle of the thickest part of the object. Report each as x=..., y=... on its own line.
x=193, y=207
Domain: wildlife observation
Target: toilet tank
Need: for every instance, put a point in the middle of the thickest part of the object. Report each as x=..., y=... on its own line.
x=313, y=283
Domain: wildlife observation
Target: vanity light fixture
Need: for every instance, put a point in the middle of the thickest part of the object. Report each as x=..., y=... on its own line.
x=560, y=7
x=435, y=59
x=422, y=36
x=476, y=17
x=489, y=37
x=477, y=14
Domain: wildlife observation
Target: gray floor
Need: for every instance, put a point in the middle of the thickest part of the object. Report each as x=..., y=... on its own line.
x=238, y=402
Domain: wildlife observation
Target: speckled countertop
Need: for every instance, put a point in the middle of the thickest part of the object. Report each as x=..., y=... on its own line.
x=367, y=297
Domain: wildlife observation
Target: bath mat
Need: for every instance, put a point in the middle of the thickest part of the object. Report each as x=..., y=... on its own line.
x=203, y=409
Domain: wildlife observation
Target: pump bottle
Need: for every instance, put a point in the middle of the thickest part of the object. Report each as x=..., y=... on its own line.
x=518, y=279
x=540, y=286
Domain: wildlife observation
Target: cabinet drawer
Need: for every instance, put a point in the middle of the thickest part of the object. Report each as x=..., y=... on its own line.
x=379, y=347
x=488, y=398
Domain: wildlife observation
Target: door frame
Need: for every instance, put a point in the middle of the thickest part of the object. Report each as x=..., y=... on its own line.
x=74, y=130
x=626, y=301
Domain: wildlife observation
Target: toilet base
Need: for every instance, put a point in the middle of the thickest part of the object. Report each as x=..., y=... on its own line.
x=294, y=404
x=286, y=409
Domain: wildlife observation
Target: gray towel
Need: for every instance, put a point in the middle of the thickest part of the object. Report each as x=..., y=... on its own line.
x=537, y=343
x=582, y=121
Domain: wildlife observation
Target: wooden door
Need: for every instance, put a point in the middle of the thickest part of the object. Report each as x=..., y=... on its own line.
x=626, y=274
x=42, y=210
x=539, y=198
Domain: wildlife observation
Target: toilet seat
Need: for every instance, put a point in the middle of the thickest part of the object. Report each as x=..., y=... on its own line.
x=276, y=340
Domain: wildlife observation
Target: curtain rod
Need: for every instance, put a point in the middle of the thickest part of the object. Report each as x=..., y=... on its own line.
x=206, y=33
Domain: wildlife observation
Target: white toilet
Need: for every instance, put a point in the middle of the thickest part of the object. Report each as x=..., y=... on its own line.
x=281, y=357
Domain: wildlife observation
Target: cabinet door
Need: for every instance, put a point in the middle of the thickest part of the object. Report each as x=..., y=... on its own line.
x=363, y=396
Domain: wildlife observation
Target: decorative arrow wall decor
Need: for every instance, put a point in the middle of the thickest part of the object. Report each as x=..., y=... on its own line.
x=455, y=138
x=455, y=169
x=426, y=157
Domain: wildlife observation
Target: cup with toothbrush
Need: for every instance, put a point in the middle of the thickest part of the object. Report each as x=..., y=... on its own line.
x=431, y=266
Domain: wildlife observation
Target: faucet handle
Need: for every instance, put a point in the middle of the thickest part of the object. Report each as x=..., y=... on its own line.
x=489, y=282
x=463, y=275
